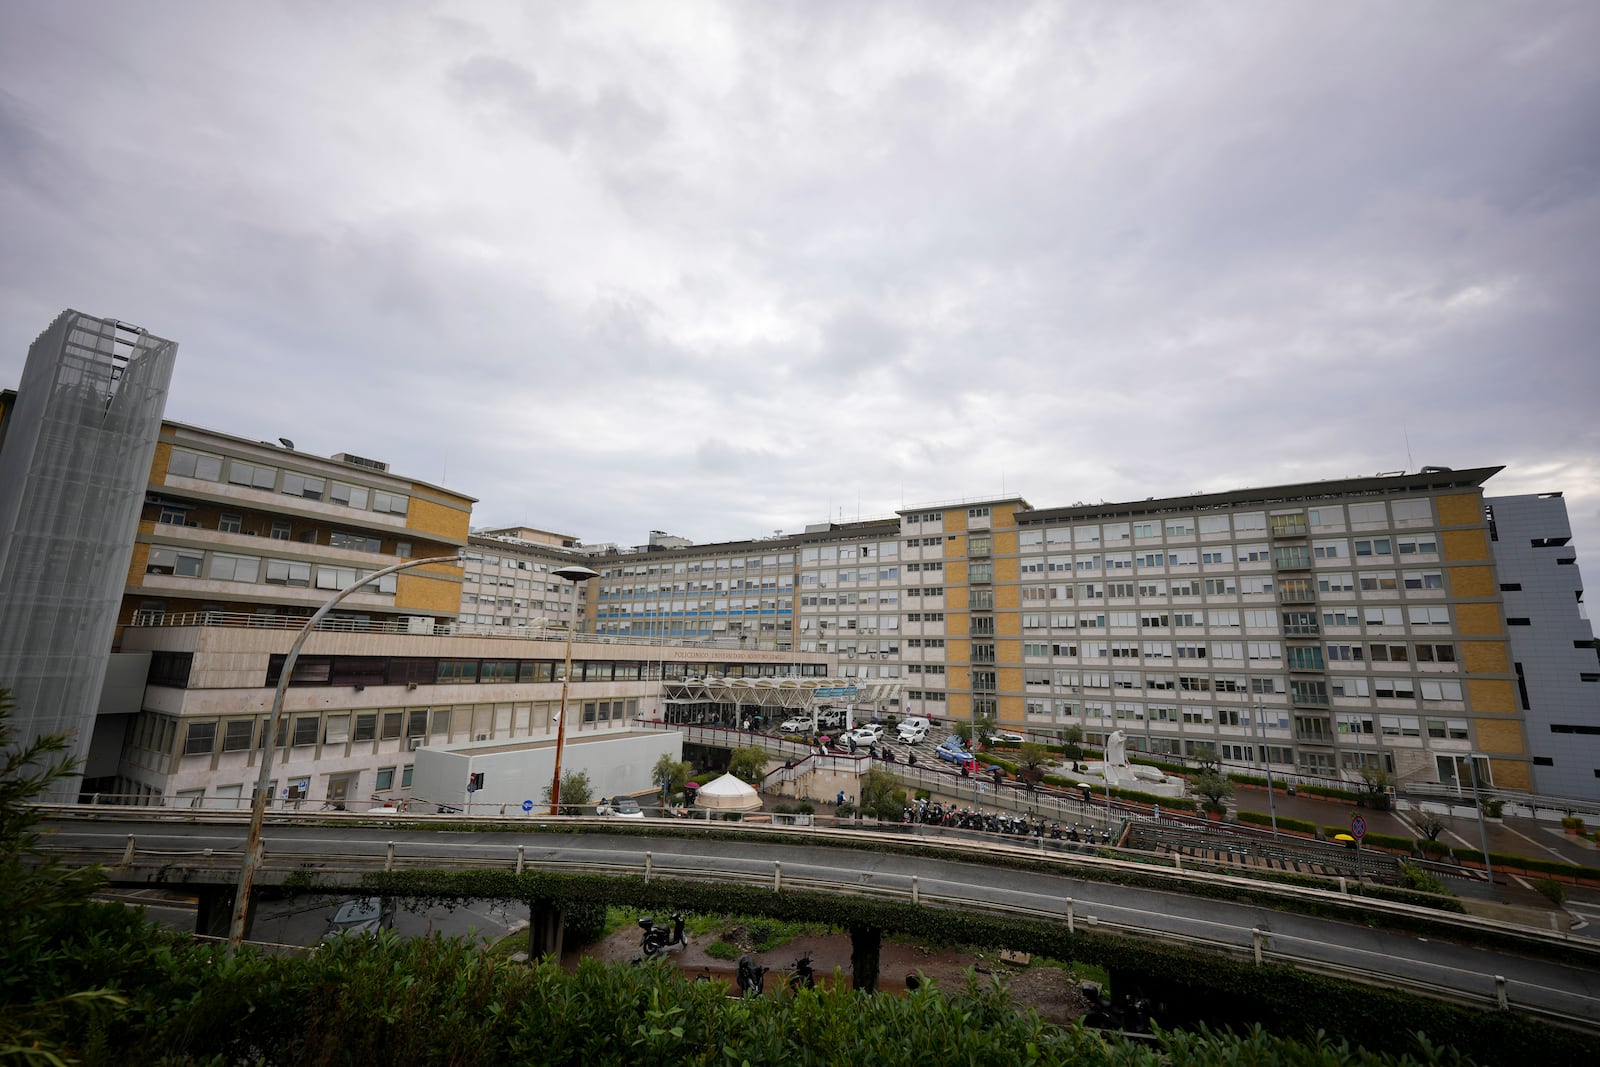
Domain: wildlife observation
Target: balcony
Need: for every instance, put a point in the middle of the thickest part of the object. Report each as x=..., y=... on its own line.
x=1288, y=526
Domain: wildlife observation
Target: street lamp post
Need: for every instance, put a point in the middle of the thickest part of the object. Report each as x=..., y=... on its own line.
x=1483, y=829
x=1266, y=762
x=577, y=575
x=258, y=805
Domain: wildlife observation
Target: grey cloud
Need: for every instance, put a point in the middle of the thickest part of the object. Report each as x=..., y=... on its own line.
x=613, y=119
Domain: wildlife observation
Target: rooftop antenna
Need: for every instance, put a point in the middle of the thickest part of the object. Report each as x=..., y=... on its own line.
x=1407, y=434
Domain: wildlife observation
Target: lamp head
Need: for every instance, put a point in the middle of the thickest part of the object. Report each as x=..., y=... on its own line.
x=575, y=573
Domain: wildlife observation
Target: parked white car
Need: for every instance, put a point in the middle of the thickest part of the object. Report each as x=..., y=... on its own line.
x=912, y=731
x=620, y=808
x=795, y=726
x=869, y=734
x=1007, y=737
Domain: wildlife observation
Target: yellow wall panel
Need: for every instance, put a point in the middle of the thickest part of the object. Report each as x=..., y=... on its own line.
x=1491, y=694
x=449, y=523
x=1008, y=626
x=1009, y=652
x=1459, y=509
x=1509, y=774
x=141, y=557
x=1010, y=679
x=160, y=461
x=958, y=677
x=955, y=572
x=1005, y=544
x=1478, y=619
x=416, y=591
x=1006, y=570
x=1007, y=598
x=1471, y=581
x=958, y=705
x=1485, y=657
x=1464, y=545
x=1500, y=736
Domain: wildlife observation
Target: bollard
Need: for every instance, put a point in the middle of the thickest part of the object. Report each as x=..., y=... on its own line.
x=777, y=875
x=388, y=863
x=1344, y=887
x=914, y=890
x=648, y=860
x=522, y=855
x=1500, y=993
x=1255, y=943
x=127, y=853
x=1070, y=927
x=1177, y=860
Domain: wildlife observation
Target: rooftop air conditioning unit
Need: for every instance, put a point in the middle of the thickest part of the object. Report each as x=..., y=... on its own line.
x=414, y=743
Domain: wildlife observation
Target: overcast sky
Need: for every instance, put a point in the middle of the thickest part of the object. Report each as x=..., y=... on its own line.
x=725, y=269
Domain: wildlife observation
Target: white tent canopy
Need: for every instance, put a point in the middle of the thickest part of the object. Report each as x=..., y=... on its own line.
x=727, y=794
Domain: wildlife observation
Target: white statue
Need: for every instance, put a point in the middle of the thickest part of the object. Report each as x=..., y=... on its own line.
x=1117, y=749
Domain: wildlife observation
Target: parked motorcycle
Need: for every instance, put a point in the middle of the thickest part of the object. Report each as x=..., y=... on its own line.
x=752, y=976
x=801, y=976
x=658, y=938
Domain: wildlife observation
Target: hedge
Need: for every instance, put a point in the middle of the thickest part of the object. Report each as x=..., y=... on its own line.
x=1528, y=863
x=1401, y=844
x=1299, y=826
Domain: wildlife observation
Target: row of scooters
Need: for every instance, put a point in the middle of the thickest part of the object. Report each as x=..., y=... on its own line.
x=661, y=938
x=932, y=813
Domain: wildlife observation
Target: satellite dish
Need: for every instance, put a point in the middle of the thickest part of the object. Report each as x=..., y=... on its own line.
x=286, y=443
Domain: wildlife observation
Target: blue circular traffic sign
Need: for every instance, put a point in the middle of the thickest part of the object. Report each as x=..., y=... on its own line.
x=527, y=805
x=1358, y=826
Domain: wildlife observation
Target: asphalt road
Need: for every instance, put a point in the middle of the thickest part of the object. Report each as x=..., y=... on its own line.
x=1533, y=982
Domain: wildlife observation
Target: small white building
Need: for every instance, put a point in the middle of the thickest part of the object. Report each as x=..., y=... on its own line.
x=515, y=775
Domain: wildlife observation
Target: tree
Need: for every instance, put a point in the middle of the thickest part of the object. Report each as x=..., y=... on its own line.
x=1072, y=742
x=1033, y=758
x=1374, y=789
x=881, y=794
x=964, y=731
x=674, y=773
x=576, y=793
x=749, y=764
x=45, y=900
x=1214, y=787
x=983, y=730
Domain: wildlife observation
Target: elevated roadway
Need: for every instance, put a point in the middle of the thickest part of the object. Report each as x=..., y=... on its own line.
x=197, y=849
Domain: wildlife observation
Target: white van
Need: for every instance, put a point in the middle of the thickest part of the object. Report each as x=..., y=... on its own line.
x=913, y=730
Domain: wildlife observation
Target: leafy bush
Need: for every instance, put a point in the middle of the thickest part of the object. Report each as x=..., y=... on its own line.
x=1257, y=818
x=1414, y=877
x=1551, y=890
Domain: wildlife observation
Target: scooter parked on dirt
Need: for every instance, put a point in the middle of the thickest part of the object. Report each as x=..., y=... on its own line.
x=801, y=975
x=752, y=977
x=659, y=939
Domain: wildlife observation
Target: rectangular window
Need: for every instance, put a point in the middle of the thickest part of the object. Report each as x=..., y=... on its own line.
x=390, y=503
x=201, y=738
x=366, y=726
x=238, y=734
x=303, y=485
x=186, y=464
x=385, y=779
x=392, y=722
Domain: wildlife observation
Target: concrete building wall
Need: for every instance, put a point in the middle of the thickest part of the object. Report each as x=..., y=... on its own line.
x=617, y=763
x=1556, y=670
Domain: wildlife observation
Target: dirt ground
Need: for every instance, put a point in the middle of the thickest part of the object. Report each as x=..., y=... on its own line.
x=1051, y=991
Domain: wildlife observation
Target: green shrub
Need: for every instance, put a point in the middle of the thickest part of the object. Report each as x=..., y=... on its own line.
x=1551, y=890
x=1414, y=877
x=1257, y=818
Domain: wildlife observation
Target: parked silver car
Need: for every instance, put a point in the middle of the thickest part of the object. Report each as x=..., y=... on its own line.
x=364, y=915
